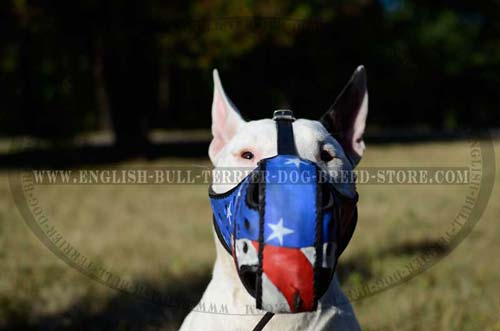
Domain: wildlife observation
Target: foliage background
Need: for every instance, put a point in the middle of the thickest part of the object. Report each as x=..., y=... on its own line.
x=129, y=66
x=70, y=68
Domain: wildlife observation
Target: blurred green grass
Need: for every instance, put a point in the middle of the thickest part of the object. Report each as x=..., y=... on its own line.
x=161, y=235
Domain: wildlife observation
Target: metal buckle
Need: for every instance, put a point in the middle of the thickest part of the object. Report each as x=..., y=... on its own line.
x=283, y=114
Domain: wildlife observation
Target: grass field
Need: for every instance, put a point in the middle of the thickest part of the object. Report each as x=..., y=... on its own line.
x=161, y=236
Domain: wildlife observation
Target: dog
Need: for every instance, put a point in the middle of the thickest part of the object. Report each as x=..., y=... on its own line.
x=335, y=142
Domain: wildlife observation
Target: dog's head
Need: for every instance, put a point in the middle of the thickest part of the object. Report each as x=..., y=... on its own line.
x=334, y=142
x=285, y=236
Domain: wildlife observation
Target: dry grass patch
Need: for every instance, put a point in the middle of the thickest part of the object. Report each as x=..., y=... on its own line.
x=161, y=236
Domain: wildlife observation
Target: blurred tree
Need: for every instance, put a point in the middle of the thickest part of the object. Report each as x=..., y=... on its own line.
x=81, y=65
x=45, y=76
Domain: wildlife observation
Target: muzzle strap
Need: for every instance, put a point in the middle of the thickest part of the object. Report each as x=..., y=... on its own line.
x=286, y=142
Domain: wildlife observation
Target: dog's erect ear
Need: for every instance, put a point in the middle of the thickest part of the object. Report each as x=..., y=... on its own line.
x=346, y=118
x=226, y=119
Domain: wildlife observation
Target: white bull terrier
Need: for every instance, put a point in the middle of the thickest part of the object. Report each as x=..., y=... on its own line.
x=237, y=143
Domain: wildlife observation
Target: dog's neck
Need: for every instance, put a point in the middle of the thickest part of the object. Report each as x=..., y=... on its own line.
x=225, y=272
x=224, y=264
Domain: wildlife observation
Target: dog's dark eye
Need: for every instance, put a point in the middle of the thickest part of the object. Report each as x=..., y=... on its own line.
x=325, y=156
x=247, y=155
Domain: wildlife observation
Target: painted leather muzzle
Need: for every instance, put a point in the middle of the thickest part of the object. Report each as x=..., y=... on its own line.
x=285, y=225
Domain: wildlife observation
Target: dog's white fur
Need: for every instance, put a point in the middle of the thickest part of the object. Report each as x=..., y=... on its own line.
x=226, y=305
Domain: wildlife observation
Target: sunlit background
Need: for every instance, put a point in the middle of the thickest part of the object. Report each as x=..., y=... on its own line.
x=125, y=84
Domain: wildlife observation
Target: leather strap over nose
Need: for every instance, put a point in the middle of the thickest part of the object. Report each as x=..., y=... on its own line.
x=286, y=142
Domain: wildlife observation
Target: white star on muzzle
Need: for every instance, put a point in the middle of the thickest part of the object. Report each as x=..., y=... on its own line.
x=295, y=161
x=278, y=231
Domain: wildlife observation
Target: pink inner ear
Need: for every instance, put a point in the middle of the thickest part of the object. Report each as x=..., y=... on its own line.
x=358, y=127
x=225, y=123
x=353, y=141
x=219, y=117
x=218, y=123
x=225, y=120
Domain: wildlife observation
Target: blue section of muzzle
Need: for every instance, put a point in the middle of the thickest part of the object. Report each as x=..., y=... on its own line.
x=290, y=202
x=291, y=205
x=234, y=207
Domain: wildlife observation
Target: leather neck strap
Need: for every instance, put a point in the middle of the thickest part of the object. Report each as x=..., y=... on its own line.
x=263, y=321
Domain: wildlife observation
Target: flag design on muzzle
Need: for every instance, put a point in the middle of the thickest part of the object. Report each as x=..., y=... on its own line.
x=283, y=227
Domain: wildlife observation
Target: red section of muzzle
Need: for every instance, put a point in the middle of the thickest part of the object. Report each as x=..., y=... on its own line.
x=292, y=274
